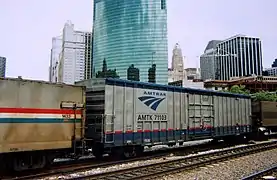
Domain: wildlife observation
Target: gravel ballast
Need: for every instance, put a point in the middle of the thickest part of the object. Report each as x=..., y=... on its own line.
x=232, y=169
x=132, y=164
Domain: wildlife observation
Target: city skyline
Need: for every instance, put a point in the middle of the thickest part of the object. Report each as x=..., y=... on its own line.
x=200, y=22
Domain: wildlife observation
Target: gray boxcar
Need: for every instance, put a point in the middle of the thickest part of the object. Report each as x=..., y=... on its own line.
x=125, y=113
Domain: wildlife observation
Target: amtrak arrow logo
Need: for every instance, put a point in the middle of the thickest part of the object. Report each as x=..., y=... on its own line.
x=151, y=101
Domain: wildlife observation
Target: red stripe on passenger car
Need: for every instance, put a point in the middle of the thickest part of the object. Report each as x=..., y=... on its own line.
x=38, y=111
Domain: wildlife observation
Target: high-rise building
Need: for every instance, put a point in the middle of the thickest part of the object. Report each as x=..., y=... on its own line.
x=131, y=32
x=54, y=59
x=208, y=63
x=192, y=73
x=274, y=64
x=71, y=56
x=237, y=56
x=88, y=55
x=273, y=70
x=176, y=73
x=2, y=66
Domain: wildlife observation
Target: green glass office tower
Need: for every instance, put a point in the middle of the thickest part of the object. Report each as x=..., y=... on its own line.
x=130, y=32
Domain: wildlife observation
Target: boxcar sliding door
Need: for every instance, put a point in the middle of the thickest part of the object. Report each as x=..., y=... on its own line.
x=201, y=116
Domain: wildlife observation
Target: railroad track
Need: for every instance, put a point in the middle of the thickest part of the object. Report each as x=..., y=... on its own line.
x=272, y=172
x=79, y=166
x=157, y=170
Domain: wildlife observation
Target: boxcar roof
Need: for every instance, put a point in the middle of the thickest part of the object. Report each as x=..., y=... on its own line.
x=38, y=81
x=136, y=84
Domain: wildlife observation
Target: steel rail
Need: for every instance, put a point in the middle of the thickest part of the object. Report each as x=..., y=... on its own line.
x=87, y=165
x=160, y=169
x=262, y=173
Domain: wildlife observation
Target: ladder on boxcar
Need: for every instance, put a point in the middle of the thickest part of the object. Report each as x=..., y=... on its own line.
x=78, y=144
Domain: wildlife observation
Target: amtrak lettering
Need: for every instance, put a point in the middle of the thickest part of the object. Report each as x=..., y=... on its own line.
x=154, y=117
x=154, y=93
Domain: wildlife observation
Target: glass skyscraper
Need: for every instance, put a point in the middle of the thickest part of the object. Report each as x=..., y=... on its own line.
x=130, y=32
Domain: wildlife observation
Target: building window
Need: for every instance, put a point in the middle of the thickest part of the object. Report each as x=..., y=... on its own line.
x=163, y=5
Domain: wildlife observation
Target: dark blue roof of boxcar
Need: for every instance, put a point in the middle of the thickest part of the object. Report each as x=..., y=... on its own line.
x=136, y=84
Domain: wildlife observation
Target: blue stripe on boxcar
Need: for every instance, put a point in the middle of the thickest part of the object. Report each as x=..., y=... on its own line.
x=110, y=137
x=171, y=135
x=156, y=136
x=128, y=137
x=163, y=136
x=138, y=137
x=37, y=120
x=178, y=134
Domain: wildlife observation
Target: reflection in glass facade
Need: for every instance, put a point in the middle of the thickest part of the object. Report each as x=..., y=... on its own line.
x=131, y=32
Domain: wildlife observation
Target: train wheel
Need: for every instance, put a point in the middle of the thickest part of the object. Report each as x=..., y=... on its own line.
x=98, y=153
x=5, y=164
x=127, y=152
x=133, y=151
x=139, y=150
x=39, y=162
x=27, y=162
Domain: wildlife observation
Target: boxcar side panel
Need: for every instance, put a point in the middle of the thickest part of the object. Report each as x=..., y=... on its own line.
x=181, y=116
x=232, y=115
x=217, y=115
x=170, y=122
x=136, y=116
x=111, y=126
x=248, y=115
x=264, y=114
x=185, y=115
x=269, y=114
x=31, y=118
x=153, y=111
x=177, y=115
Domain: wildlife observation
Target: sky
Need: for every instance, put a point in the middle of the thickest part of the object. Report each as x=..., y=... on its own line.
x=27, y=28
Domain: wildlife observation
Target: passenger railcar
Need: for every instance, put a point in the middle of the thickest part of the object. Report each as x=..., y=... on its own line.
x=39, y=122
x=124, y=116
